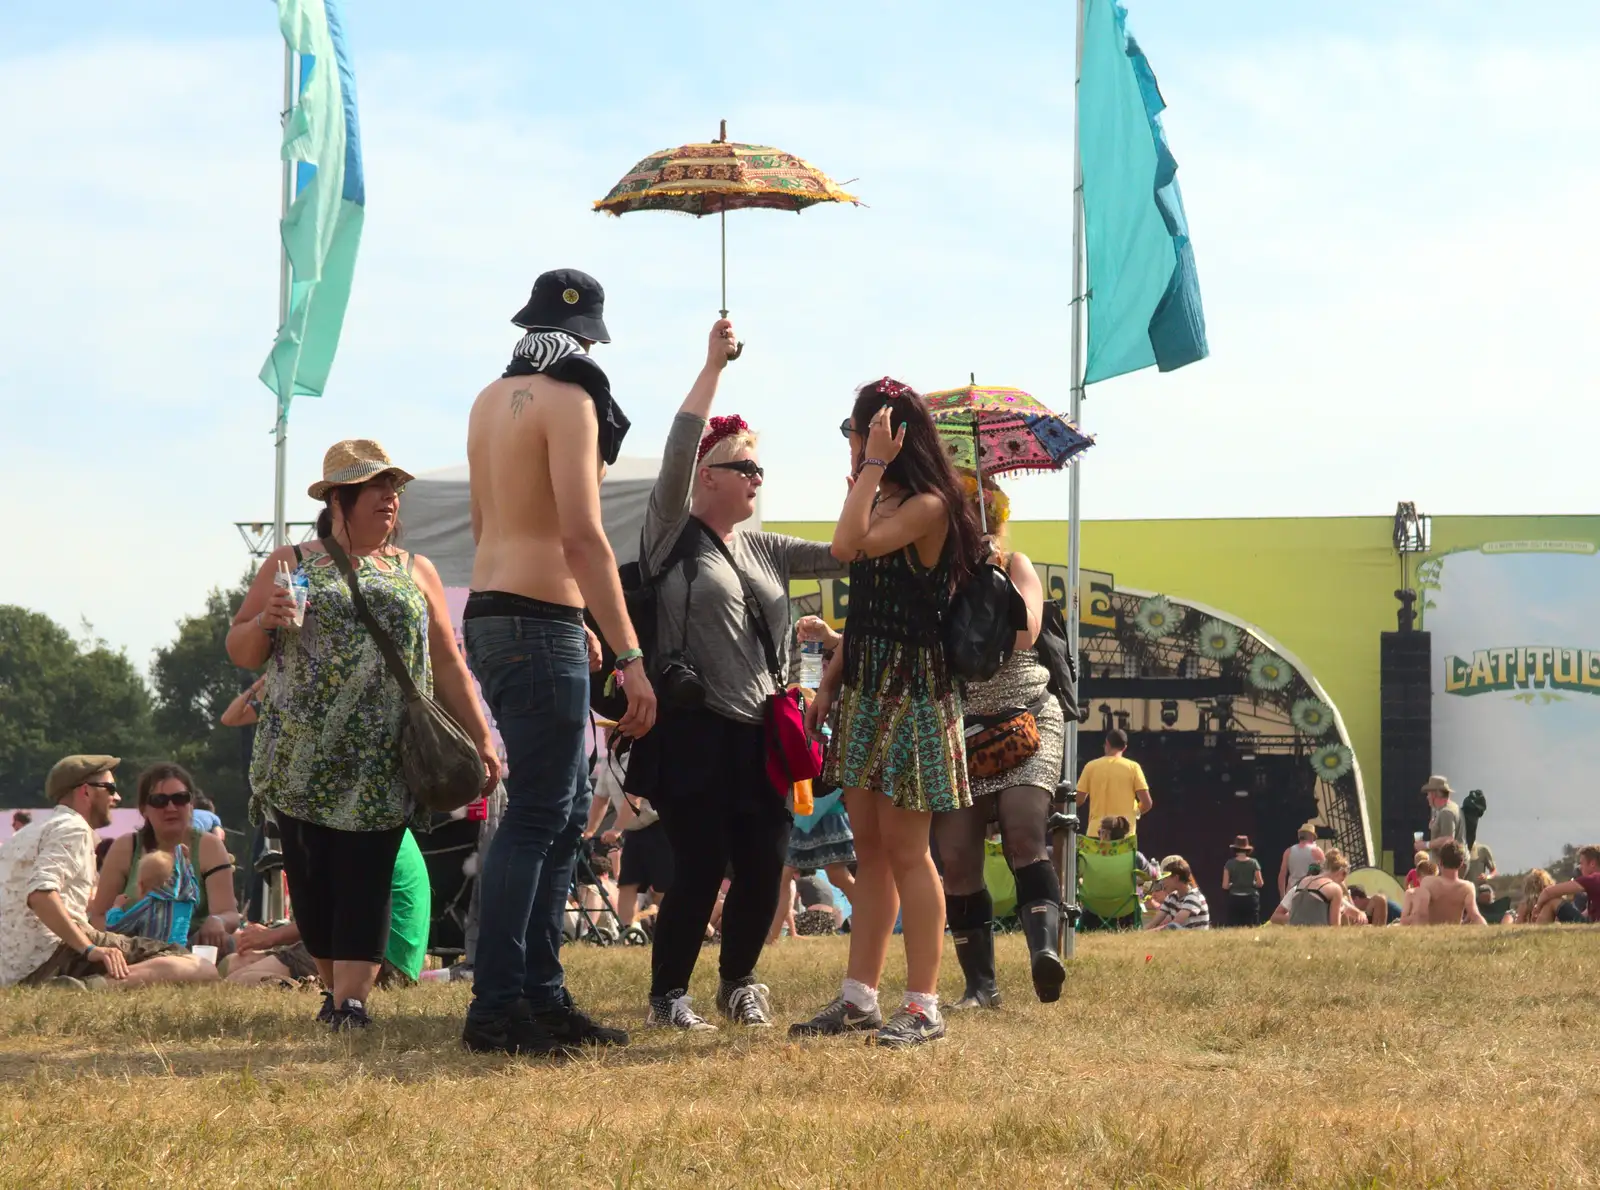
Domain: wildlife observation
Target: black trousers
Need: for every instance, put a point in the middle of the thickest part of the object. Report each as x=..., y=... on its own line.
x=339, y=884
x=723, y=819
x=1244, y=909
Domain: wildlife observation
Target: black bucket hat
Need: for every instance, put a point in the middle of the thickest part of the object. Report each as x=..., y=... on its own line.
x=566, y=300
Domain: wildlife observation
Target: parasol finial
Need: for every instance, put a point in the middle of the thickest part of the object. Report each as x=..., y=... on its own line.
x=972, y=378
x=722, y=133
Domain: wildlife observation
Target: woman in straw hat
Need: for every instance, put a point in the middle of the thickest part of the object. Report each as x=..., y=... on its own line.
x=326, y=758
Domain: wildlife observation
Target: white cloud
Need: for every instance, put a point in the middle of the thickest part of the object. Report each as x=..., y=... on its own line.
x=1392, y=243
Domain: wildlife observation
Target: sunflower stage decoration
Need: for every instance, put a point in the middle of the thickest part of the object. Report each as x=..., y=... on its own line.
x=1217, y=640
x=1312, y=716
x=1270, y=672
x=1157, y=618
x=1331, y=761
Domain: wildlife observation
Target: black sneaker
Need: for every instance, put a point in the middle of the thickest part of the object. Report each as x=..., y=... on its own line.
x=907, y=1028
x=672, y=1011
x=515, y=1031
x=838, y=1018
x=350, y=1015
x=746, y=1004
x=569, y=1024
x=326, y=1013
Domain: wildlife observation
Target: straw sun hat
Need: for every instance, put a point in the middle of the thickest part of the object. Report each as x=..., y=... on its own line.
x=355, y=460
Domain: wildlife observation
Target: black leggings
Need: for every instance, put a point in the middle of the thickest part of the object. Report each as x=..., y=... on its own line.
x=719, y=811
x=959, y=835
x=339, y=884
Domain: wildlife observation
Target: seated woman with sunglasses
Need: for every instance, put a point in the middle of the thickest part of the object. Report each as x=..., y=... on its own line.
x=704, y=767
x=166, y=800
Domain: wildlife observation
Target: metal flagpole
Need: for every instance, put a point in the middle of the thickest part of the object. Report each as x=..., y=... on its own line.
x=280, y=530
x=1079, y=313
x=1064, y=822
x=269, y=864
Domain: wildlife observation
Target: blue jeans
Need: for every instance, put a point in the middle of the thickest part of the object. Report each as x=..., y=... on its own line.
x=535, y=676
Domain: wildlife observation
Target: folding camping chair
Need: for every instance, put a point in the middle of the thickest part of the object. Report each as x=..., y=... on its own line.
x=1108, y=883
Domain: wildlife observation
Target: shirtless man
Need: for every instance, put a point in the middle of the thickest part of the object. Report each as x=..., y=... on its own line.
x=538, y=442
x=1445, y=899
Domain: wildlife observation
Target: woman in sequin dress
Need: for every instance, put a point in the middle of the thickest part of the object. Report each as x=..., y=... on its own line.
x=1019, y=798
x=897, y=748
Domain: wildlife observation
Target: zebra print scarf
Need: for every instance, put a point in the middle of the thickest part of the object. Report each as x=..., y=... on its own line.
x=561, y=356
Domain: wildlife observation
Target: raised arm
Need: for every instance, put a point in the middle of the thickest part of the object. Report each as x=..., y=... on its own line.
x=865, y=531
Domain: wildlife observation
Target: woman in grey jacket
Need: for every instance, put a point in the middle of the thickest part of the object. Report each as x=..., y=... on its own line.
x=714, y=678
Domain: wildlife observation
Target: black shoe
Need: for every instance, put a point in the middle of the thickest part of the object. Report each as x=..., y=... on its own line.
x=975, y=953
x=349, y=1016
x=514, y=1031
x=839, y=1017
x=328, y=1011
x=1041, y=923
x=570, y=1025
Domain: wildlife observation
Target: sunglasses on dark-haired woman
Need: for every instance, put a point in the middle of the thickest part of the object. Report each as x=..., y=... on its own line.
x=162, y=800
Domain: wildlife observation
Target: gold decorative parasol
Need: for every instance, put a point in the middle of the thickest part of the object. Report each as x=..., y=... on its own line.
x=722, y=176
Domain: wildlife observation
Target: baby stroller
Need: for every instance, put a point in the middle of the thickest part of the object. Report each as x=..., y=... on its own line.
x=602, y=926
x=1108, y=883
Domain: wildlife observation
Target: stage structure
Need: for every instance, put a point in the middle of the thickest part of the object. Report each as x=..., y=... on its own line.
x=1241, y=716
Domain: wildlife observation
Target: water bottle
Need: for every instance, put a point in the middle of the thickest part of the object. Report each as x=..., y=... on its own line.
x=811, y=664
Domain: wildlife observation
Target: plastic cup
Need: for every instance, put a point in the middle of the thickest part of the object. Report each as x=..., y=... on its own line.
x=301, y=595
x=206, y=954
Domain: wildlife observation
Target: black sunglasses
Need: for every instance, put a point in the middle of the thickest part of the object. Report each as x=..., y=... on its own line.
x=111, y=785
x=847, y=426
x=748, y=468
x=162, y=800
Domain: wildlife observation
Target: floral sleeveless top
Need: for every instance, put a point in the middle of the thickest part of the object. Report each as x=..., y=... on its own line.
x=326, y=748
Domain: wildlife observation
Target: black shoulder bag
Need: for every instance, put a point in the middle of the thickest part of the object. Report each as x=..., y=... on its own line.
x=438, y=763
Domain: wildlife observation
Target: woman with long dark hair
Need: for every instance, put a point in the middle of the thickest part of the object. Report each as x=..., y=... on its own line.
x=327, y=760
x=897, y=748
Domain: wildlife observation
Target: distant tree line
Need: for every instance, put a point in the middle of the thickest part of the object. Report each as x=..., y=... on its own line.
x=62, y=693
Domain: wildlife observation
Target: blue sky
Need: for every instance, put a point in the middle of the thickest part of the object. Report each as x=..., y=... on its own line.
x=1390, y=204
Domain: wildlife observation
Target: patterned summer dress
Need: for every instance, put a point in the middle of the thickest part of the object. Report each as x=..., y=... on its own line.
x=1022, y=683
x=897, y=727
x=326, y=744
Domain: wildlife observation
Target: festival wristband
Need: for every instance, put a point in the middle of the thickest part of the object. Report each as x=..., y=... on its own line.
x=89, y=950
x=627, y=658
x=872, y=462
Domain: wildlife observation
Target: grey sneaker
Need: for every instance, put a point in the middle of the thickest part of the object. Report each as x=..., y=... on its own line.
x=747, y=1004
x=839, y=1017
x=673, y=1012
x=907, y=1028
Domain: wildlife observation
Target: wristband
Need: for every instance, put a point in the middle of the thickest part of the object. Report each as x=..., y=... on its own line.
x=89, y=950
x=627, y=658
x=871, y=462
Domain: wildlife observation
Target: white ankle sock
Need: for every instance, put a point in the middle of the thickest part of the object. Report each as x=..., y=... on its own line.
x=860, y=995
x=926, y=1003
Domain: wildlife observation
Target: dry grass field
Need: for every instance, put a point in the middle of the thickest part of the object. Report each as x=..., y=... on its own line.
x=1395, y=1058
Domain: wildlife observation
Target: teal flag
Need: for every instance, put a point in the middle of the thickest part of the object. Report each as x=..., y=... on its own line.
x=323, y=227
x=1144, y=294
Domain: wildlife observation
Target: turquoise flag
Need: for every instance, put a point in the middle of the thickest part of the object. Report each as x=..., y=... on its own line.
x=323, y=227
x=1144, y=294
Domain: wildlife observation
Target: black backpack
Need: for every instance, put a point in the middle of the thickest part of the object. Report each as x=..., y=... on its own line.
x=640, y=594
x=1056, y=655
x=986, y=613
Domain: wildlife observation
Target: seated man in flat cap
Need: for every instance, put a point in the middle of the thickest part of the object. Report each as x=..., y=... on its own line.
x=47, y=873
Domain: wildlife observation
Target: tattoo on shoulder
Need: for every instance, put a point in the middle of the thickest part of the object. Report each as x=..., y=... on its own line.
x=519, y=398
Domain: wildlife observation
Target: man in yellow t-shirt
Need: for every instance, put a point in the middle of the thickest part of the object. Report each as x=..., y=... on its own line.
x=1113, y=785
